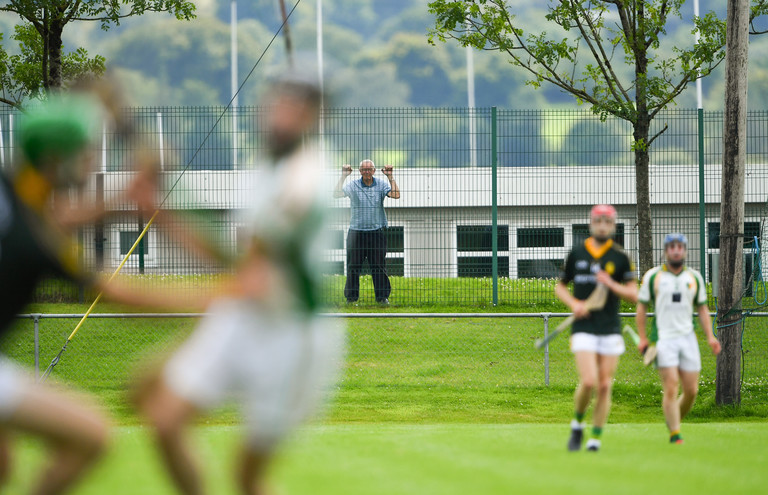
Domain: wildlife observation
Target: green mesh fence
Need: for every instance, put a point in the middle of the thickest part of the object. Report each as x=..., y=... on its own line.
x=492, y=200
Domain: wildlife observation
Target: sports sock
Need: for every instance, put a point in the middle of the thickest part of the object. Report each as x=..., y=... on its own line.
x=597, y=431
x=579, y=416
x=674, y=436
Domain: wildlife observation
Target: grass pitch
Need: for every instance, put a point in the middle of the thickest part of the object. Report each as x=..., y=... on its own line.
x=445, y=459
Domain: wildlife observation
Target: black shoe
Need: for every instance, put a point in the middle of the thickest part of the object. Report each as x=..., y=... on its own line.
x=383, y=302
x=577, y=436
x=593, y=445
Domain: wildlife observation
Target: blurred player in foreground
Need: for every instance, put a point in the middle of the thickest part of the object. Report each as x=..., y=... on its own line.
x=596, y=341
x=675, y=290
x=262, y=345
x=36, y=221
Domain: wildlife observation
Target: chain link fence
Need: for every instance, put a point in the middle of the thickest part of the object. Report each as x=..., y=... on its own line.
x=491, y=202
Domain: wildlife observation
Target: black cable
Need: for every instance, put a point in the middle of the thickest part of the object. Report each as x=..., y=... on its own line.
x=229, y=105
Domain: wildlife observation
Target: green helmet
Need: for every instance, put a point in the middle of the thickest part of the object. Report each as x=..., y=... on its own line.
x=53, y=134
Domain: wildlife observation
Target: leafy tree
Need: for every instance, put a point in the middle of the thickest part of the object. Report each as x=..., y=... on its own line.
x=587, y=56
x=49, y=18
x=20, y=74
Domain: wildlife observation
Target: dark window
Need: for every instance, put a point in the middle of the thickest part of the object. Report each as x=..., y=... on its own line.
x=539, y=268
x=581, y=232
x=482, y=266
x=396, y=267
x=128, y=238
x=751, y=270
x=751, y=230
x=480, y=238
x=395, y=239
x=541, y=237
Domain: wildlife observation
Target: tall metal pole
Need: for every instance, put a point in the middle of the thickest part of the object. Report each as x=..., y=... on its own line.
x=471, y=105
x=700, y=124
x=320, y=79
x=234, y=80
x=320, y=46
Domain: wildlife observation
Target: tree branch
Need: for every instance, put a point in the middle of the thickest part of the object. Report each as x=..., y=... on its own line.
x=602, y=59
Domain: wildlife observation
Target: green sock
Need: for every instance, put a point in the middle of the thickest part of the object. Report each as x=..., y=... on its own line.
x=597, y=431
x=674, y=436
x=579, y=416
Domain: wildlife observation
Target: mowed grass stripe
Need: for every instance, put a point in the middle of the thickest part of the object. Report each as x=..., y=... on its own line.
x=378, y=459
x=441, y=370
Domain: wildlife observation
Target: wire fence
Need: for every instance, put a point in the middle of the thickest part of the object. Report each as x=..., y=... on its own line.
x=415, y=352
x=491, y=201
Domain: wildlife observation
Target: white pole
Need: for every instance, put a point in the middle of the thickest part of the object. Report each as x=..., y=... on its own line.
x=320, y=42
x=161, y=145
x=234, y=80
x=697, y=36
x=471, y=105
x=321, y=123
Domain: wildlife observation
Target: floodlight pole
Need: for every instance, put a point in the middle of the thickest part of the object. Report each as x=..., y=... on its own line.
x=233, y=78
x=471, y=105
x=700, y=123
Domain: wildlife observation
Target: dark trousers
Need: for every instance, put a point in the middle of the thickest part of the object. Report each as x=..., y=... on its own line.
x=372, y=246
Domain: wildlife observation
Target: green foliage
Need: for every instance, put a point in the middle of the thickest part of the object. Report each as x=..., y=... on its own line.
x=20, y=75
x=579, y=55
x=41, y=64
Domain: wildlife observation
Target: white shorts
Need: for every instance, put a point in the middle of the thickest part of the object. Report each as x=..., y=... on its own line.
x=277, y=368
x=607, y=345
x=679, y=352
x=12, y=384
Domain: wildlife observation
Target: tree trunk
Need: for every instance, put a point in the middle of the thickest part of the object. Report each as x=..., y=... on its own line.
x=54, y=54
x=641, y=130
x=728, y=379
x=643, y=196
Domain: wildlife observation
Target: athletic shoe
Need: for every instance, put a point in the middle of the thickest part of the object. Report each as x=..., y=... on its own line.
x=676, y=441
x=593, y=445
x=383, y=302
x=577, y=436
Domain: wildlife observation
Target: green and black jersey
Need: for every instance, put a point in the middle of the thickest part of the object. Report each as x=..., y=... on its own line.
x=29, y=252
x=581, y=267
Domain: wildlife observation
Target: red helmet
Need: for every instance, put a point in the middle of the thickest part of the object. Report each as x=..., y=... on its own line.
x=603, y=211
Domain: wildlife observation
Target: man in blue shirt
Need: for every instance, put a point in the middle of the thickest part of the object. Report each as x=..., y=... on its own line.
x=366, y=239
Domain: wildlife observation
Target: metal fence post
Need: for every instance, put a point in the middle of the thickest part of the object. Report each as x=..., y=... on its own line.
x=546, y=348
x=702, y=204
x=494, y=209
x=36, y=320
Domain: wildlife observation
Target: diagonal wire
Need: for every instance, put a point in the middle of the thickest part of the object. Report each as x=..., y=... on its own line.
x=56, y=359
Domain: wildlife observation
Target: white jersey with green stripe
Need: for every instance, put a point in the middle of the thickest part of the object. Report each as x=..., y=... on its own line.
x=286, y=219
x=673, y=299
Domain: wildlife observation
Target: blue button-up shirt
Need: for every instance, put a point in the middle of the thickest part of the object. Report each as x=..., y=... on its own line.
x=367, y=204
